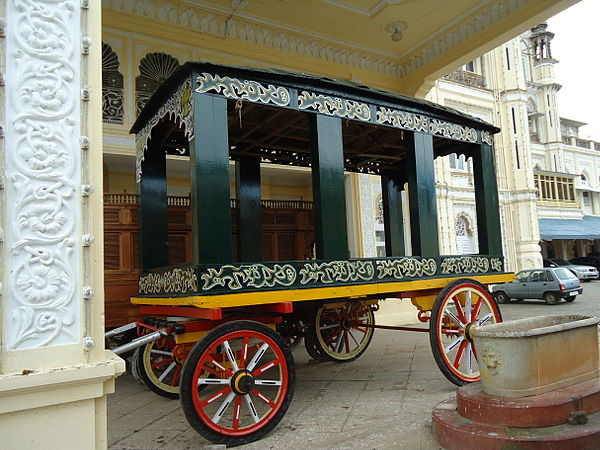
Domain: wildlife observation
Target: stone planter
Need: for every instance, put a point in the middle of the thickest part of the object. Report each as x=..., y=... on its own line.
x=526, y=357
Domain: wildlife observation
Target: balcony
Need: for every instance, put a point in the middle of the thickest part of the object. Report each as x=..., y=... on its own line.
x=464, y=77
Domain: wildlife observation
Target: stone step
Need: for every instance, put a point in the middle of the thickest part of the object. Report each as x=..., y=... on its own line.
x=455, y=432
x=549, y=409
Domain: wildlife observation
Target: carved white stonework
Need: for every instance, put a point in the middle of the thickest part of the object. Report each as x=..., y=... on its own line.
x=42, y=167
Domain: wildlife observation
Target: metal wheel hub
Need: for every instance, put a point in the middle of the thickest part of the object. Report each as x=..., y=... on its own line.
x=242, y=382
x=468, y=330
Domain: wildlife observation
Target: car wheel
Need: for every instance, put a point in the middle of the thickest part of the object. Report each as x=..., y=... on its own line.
x=501, y=297
x=570, y=299
x=550, y=298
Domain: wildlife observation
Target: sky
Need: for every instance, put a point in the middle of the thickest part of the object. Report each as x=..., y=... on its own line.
x=576, y=46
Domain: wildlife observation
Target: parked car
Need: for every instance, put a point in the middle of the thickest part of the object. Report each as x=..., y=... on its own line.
x=585, y=273
x=550, y=284
x=589, y=260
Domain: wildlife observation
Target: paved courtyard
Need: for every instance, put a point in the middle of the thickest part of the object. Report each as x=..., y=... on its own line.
x=383, y=400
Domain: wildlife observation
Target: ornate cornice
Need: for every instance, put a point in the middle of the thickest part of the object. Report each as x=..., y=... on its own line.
x=223, y=25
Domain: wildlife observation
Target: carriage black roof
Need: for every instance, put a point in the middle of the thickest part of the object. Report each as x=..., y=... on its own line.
x=264, y=119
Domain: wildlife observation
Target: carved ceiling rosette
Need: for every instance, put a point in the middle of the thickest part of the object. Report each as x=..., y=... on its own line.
x=42, y=173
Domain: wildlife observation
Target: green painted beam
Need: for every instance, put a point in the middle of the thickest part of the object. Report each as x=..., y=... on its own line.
x=486, y=202
x=331, y=236
x=209, y=162
x=421, y=190
x=153, y=241
x=391, y=190
x=248, y=205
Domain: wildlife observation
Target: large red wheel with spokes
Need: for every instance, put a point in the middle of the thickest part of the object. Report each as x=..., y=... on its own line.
x=461, y=305
x=342, y=332
x=158, y=367
x=237, y=383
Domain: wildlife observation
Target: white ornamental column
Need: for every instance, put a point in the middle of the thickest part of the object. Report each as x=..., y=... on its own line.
x=54, y=371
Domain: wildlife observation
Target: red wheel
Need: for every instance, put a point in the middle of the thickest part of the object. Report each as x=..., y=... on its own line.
x=458, y=307
x=158, y=367
x=237, y=383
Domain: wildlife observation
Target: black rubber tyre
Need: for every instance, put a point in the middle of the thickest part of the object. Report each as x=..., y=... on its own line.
x=551, y=299
x=570, y=299
x=143, y=359
x=203, y=354
x=447, y=328
x=501, y=297
x=311, y=345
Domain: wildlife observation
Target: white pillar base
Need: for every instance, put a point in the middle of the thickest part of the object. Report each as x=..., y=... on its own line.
x=58, y=409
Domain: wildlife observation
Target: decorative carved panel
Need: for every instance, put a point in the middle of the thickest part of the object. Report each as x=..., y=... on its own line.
x=42, y=159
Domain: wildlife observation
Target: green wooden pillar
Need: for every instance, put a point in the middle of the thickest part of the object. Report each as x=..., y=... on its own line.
x=329, y=201
x=391, y=190
x=486, y=202
x=248, y=206
x=154, y=250
x=421, y=191
x=209, y=161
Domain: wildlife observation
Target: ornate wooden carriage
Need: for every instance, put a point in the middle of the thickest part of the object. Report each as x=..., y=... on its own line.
x=217, y=331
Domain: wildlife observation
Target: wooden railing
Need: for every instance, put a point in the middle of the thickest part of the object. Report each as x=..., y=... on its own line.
x=172, y=200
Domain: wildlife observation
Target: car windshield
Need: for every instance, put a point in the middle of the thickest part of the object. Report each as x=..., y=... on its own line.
x=560, y=262
x=564, y=274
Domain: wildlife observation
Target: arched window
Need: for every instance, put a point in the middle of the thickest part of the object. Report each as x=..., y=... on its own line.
x=583, y=179
x=112, y=87
x=154, y=69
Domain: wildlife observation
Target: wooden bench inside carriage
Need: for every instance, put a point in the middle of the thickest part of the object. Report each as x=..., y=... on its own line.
x=215, y=114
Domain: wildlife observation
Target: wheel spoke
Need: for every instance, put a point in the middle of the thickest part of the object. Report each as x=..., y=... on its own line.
x=215, y=396
x=453, y=343
x=213, y=381
x=175, y=380
x=265, y=367
x=222, y=368
x=347, y=341
x=162, y=362
x=353, y=338
x=475, y=312
x=244, y=351
x=251, y=408
x=230, y=356
x=267, y=383
x=161, y=352
x=339, y=342
x=167, y=370
x=451, y=331
x=454, y=318
x=228, y=401
x=459, y=354
x=468, y=305
x=469, y=359
x=459, y=311
x=333, y=335
x=326, y=327
x=256, y=358
x=264, y=399
x=484, y=319
x=212, y=371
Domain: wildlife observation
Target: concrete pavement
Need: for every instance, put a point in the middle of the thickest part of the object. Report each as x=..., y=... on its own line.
x=383, y=400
